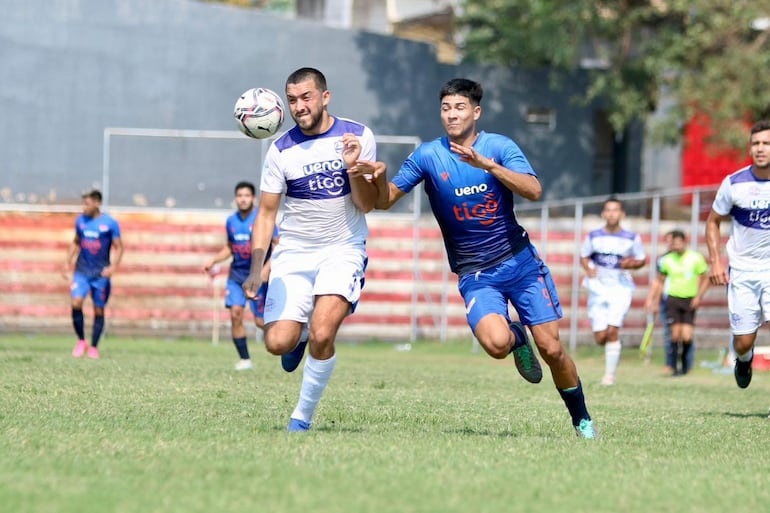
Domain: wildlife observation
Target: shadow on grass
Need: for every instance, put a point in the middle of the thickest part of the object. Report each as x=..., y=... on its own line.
x=469, y=431
x=745, y=415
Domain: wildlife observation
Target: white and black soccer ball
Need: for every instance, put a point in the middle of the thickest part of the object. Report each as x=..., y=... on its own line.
x=259, y=112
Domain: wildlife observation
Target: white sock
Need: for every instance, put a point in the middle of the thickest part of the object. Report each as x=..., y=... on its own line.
x=746, y=356
x=315, y=376
x=611, y=357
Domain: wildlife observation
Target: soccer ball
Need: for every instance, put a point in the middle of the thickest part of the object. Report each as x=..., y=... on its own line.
x=259, y=112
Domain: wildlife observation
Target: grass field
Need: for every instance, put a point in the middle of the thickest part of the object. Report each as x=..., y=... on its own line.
x=168, y=426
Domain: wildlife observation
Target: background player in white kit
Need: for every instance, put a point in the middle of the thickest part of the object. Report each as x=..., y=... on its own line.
x=318, y=268
x=607, y=255
x=744, y=197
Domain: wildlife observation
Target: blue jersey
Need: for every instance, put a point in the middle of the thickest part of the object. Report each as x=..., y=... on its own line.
x=473, y=209
x=96, y=235
x=239, y=238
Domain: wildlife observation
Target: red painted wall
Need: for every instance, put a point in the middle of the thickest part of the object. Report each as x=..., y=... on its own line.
x=701, y=165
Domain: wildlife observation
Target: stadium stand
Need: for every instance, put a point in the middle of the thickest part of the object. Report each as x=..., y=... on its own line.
x=160, y=289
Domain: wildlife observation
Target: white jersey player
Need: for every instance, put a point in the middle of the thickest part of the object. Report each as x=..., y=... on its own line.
x=606, y=256
x=318, y=268
x=744, y=198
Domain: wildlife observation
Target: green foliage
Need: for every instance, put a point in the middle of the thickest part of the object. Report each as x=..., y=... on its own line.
x=169, y=426
x=708, y=55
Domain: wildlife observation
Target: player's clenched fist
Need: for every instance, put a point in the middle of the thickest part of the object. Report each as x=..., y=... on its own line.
x=252, y=283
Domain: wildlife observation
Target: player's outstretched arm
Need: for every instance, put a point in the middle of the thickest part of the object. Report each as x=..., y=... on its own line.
x=261, y=235
x=387, y=192
x=223, y=254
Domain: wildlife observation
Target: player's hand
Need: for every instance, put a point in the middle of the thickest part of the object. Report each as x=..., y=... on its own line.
x=718, y=274
x=470, y=156
x=366, y=169
x=253, y=282
x=66, y=273
x=695, y=303
x=108, y=271
x=351, y=149
x=651, y=306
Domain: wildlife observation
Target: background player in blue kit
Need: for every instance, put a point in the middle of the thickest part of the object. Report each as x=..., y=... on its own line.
x=96, y=235
x=470, y=178
x=238, y=246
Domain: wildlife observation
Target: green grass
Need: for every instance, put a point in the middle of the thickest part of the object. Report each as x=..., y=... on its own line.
x=168, y=426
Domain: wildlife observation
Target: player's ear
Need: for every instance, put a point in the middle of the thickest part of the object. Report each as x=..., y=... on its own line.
x=326, y=96
x=476, y=112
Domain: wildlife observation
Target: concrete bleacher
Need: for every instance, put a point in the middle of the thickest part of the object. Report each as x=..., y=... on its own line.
x=161, y=290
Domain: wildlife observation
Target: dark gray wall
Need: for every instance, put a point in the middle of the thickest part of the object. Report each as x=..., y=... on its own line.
x=70, y=69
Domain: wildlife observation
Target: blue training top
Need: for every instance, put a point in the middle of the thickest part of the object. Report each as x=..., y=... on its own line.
x=96, y=235
x=239, y=237
x=473, y=209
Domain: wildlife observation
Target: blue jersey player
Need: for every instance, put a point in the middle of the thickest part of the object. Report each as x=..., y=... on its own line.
x=238, y=246
x=96, y=235
x=470, y=178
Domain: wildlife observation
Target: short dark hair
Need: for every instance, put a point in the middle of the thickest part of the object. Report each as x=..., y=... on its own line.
x=463, y=87
x=677, y=234
x=94, y=194
x=613, y=199
x=303, y=74
x=245, y=185
x=760, y=126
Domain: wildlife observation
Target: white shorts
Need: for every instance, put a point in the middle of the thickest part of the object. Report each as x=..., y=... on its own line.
x=298, y=276
x=748, y=300
x=608, y=306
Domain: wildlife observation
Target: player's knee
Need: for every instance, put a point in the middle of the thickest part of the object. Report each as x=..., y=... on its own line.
x=322, y=335
x=552, y=352
x=276, y=347
x=236, y=315
x=497, y=345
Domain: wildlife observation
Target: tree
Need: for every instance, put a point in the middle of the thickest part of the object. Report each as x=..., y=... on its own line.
x=709, y=56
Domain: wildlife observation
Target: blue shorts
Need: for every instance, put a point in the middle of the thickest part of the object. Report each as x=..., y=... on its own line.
x=98, y=286
x=234, y=296
x=524, y=280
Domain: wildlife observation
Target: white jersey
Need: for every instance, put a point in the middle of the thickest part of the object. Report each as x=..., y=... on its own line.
x=319, y=208
x=747, y=199
x=606, y=250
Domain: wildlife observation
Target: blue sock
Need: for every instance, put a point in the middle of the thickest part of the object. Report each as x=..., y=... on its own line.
x=77, y=323
x=576, y=403
x=98, y=327
x=241, y=347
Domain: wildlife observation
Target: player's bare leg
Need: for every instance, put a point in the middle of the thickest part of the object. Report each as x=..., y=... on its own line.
x=77, y=323
x=328, y=313
x=744, y=348
x=238, y=331
x=565, y=377
x=499, y=339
